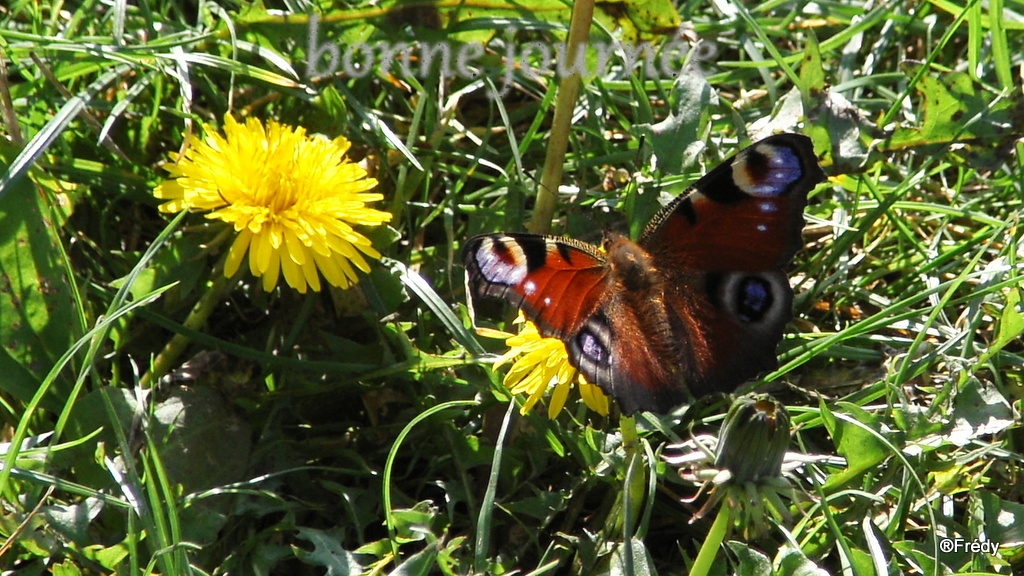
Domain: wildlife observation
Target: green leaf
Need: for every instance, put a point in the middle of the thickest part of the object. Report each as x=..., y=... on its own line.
x=1004, y=520
x=107, y=556
x=174, y=265
x=833, y=123
x=327, y=552
x=544, y=506
x=676, y=141
x=90, y=414
x=855, y=442
x=635, y=556
x=792, y=562
x=38, y=315
x=66, y=568
x=414, y=524
x=639, y=20
x=861, y=561
x=812, y=72
x=72, y=521
x=749, y=560
x=419, y=564
x=954, y=107
x=468, y=451
x=32, y=538
x=979, y=410
x=1010, y=326
x=202, y=442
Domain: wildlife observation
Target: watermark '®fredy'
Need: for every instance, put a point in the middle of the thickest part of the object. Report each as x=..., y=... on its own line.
x=533, y=58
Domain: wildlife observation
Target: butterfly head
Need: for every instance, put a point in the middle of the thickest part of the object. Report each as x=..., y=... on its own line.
x=629, y=263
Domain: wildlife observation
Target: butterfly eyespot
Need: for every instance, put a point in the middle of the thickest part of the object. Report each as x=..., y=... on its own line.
x=501, y=261
x=591, y=348
x=750, y=298
x=753, y=298
x=593, y=343
x=767, y=171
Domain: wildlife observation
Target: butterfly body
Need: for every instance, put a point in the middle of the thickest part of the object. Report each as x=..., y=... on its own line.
x=697, y=305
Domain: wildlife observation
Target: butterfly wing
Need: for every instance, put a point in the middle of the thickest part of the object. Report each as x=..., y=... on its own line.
x=722, y=250
x=557, y=282
x=745, y=214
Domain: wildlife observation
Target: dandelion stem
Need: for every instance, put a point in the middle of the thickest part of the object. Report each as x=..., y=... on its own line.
x=633, y=493
x=708, y=550
x=635, y=481
x=196, y=320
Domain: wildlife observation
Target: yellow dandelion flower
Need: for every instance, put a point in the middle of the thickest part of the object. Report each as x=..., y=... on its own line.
x=542, y=363
x=293, y=200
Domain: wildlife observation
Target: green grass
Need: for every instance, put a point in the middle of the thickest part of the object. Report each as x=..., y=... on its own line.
x=367, y=431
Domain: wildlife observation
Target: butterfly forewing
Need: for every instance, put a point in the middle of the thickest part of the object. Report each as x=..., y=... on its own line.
x=746, y=214
x=558, y=283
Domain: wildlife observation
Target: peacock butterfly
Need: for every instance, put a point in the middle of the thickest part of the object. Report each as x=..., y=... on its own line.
x=699, y=304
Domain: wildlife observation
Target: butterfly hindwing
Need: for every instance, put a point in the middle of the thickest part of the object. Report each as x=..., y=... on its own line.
x=627, y=348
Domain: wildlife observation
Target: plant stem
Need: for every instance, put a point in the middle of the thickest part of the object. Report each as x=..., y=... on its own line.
x=558, y=141
x=216, y=290
x=633, y=484
x=708, y=550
